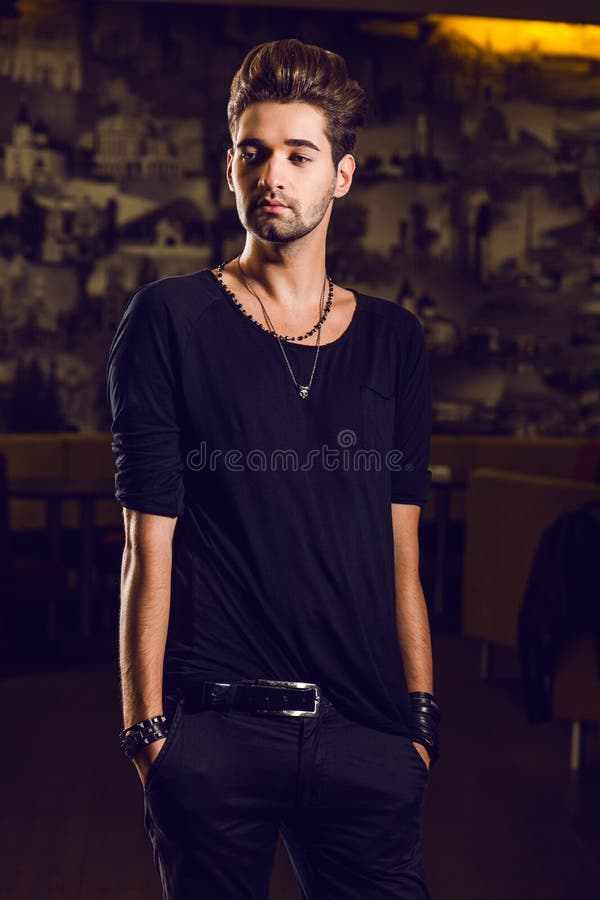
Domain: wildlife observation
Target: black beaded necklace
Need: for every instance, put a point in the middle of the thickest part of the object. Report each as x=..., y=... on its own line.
x=303, y=389
x=284, y=337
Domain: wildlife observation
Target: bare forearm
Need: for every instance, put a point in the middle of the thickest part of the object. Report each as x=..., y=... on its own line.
x=412, y=620
x=145, y=604
x=414, y=637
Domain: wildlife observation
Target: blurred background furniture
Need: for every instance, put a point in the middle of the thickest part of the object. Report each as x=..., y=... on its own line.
x=34, y=590
x=491, y=498
x=443, y=484
x=576, y=695
x=506, y=515
x=55, y=491
x=74, y=524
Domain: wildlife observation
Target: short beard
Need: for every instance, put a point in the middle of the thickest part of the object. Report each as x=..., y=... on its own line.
x=287, y=232
x=281, y=232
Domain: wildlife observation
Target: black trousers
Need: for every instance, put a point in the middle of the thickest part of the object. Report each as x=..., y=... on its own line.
x=347, y=800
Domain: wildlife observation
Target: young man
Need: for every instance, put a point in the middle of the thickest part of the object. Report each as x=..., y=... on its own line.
x=271, y=435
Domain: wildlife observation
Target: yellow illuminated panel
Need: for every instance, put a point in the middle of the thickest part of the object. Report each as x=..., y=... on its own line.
x=37, y=10
x=510, y=36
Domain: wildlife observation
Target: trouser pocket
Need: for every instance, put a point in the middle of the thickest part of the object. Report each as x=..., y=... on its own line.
x=174, y=723
x=418, y=756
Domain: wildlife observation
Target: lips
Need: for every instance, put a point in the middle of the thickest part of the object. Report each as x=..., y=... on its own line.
x=271, y=204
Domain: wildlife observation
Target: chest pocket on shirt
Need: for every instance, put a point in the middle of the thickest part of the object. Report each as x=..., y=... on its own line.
x=377, y=405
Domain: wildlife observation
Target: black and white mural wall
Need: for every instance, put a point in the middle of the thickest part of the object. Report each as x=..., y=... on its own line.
x=476, y=202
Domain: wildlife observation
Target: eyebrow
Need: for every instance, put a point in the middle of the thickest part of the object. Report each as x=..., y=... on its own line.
x=293, y=142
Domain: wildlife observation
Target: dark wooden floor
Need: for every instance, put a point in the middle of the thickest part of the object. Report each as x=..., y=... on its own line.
x=504, y=817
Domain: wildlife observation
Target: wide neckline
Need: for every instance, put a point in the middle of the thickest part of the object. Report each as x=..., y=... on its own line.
x=271, y=337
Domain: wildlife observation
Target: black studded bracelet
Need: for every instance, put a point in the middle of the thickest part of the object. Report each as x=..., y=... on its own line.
x=425, y=719
x=146, y=732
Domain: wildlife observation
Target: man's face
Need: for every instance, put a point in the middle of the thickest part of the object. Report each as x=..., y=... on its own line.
x=282, y=173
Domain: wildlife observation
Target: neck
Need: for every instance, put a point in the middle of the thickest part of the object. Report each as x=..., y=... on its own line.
x=285, y=274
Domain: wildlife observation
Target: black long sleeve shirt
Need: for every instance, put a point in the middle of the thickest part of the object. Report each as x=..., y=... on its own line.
x=283, y=557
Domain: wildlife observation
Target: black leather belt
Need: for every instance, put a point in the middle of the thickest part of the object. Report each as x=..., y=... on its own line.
x=259, y=695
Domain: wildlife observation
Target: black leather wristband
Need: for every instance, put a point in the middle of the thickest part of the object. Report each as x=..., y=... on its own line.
x=425, y=719
x=142, y=733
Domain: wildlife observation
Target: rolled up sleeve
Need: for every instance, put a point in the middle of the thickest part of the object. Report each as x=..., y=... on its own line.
x=142, y=396
x=410, y=480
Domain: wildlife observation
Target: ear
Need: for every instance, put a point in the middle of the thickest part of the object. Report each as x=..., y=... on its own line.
x=345, y=171
x=229, y=164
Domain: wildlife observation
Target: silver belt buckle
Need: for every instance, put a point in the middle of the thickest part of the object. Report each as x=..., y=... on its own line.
x=304, y=685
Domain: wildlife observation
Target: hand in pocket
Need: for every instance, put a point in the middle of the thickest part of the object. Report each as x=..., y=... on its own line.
x=422, y=753
x=145, y=757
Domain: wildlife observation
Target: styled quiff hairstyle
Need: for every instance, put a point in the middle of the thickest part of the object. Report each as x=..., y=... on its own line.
x=290, y=71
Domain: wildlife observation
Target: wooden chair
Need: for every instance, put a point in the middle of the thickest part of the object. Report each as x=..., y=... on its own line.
x=576, y=691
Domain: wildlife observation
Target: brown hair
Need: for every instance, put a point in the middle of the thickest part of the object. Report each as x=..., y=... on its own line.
x=289, y=70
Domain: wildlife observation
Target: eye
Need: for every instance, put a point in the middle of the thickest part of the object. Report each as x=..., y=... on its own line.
x=296, y=157
x=248, y=155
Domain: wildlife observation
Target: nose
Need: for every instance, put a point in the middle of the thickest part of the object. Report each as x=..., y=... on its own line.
x=271, y=175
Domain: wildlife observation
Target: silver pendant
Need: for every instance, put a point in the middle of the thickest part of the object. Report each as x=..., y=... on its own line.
x=303, y=390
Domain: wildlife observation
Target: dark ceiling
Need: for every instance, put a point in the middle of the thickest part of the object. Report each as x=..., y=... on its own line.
x=558, y=10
